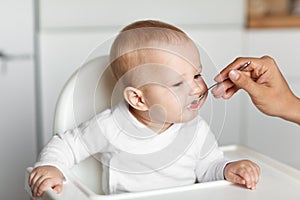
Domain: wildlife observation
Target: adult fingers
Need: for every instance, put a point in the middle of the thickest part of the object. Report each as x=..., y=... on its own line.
x=226, y=94
x=221, y=89
x=245, y=82
x=236, y=64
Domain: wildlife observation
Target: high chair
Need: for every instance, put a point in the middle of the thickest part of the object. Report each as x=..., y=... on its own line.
x=85, y=94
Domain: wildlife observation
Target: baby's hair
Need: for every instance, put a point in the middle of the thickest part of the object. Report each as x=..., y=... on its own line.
x=136, y=42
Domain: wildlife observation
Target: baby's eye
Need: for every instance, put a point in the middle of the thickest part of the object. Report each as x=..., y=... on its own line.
x=197, y=76
x=177, y=84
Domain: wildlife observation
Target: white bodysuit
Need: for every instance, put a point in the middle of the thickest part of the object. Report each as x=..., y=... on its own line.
x=134, y=157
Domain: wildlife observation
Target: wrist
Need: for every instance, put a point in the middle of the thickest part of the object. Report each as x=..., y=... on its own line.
x=225, y=169
x=292, y=111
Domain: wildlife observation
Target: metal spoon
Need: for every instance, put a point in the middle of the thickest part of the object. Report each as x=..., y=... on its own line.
x=196, y=101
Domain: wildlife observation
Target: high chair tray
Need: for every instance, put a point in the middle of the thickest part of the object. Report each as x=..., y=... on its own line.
x=277, y=181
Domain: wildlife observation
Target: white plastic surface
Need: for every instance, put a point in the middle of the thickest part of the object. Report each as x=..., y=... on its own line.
x=277, y=181
x=86, y=93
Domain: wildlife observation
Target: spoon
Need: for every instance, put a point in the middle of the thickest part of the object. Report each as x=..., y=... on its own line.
x=196, y=101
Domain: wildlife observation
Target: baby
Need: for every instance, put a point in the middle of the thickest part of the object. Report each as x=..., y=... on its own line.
x=154, y=138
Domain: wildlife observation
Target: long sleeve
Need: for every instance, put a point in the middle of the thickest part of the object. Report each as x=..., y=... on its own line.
x=211, y=161
x=68, y=148
x=211, y=167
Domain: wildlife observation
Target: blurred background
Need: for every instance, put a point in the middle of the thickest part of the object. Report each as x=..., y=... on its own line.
x=43, y=42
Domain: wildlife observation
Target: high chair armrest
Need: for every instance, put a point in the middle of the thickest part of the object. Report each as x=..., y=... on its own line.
x=277, y=181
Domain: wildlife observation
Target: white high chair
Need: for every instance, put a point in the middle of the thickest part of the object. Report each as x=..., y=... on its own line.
x=85, y=94
x=88, y=91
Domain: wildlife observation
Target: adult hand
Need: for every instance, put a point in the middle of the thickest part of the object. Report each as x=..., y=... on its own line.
x=264, y=83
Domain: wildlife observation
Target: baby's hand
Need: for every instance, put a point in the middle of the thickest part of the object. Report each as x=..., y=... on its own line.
x=243, y=172
x=43, y=178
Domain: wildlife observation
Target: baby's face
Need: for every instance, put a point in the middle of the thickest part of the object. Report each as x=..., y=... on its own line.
x=169, y=86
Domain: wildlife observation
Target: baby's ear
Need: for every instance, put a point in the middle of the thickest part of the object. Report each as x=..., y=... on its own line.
x=135, y=98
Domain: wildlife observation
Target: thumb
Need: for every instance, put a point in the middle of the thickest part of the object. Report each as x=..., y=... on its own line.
x=244, y=82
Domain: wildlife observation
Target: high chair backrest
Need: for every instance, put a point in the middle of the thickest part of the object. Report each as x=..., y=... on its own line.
x=87, y=92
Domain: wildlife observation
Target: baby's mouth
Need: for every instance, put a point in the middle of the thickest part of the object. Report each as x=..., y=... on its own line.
x=194, y=106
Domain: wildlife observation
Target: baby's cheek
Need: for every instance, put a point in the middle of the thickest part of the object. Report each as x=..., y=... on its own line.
x=180, y=95
x=180, y=101
x=173, y=102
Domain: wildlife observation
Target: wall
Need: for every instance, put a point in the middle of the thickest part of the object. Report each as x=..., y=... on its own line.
x=272, y=136
x=17, y=97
